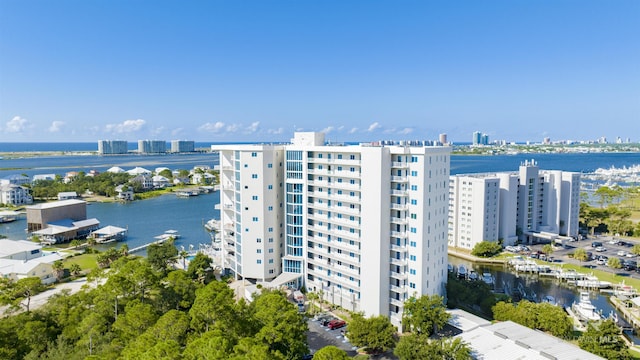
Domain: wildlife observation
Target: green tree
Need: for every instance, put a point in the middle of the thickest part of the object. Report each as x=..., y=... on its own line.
x=375, y=334
x=215, y=344
x=178, y=291
x=137, y=318
x=614, y=263
x=542, y=316
x=580, y=254
x=201, y=264
x=419, y=347
x=636, y=249
x=331, y=353
x=58, y=268
x=424, y=315
x=486, y=249
x=603, y=339
x=75, y=269
x=160, y=256
x=213, y=304
x=19, y=293
x=548, y=249
x=281, y=327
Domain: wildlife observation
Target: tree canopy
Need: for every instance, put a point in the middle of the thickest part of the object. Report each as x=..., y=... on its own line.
x=486, y=249
x=424, y=315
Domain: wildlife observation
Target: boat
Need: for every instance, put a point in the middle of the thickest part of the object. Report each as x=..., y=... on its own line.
x=169, y=234
x=488, y=278
x=592, y=282
x=187, y=193
x=212, y=225
x=549, y=299
x=462, y=272
x=584, y=309
x=473, y=275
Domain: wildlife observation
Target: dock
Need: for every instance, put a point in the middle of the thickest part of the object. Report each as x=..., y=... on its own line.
x=142, y=247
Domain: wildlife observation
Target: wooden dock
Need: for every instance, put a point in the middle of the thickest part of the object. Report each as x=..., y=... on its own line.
x=142, y=247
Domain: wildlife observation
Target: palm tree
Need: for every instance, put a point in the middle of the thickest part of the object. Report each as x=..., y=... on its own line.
x=183, y=256
x=548, y=250
x=58, y=267
x=75, y=269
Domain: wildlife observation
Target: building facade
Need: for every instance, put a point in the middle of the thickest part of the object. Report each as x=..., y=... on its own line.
x=530, y=205
x=11, y=194
x=182, y=146
x=111, y=147
x=152, y=146
x=363, y=226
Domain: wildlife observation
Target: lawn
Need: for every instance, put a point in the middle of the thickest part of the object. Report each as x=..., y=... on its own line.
x=87, y=262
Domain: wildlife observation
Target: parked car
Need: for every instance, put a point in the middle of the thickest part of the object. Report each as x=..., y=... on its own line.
x=326, y=321
x=596, y=244
x=601, y=249
x=336, y=324
x=630, y=265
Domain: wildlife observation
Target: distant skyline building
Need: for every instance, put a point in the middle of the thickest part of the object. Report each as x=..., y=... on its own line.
x=152, y=146
x=443, y=139
x=480, y=138
x=112, y=147
x=363, y=225
x=531, y=205
x=182, y=146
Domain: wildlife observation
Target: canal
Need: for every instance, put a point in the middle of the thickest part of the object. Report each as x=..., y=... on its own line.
x=537, y=287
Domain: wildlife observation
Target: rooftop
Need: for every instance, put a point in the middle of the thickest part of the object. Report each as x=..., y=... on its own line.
x=55, y=204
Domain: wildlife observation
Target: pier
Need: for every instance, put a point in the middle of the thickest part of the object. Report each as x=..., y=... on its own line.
x=142, y=247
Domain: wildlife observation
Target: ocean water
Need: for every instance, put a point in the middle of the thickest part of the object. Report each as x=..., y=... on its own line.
x=149, y=218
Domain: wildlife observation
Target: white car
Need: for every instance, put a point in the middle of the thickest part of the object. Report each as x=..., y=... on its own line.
x=614, y=241
x=600, y=249
x=622, y=253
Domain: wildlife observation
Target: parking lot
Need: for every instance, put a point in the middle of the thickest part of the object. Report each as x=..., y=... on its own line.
x=320, y=335
x=605, y=248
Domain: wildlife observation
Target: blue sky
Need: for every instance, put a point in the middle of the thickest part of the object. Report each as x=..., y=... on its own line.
x=359, y=70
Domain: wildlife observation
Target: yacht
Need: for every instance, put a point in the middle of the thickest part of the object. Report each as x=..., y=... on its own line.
x=473, y=275
x=584, y=309
x=462, y=272
x=549, y=299
x=488, y=278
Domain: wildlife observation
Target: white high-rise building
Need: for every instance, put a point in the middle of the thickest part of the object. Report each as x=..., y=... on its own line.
x=364, y=226
x=531, y=205
x=251, y=210
x=182, y=146
x=152, y=146
x=110, y=147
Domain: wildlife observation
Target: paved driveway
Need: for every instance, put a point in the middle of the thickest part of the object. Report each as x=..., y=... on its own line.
x=320, y=336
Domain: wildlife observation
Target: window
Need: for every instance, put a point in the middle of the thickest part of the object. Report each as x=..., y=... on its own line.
x=412, y=271
x=414, y=187
x=412, y=243
x=413, y=230
x=254, y=176
x=270, y=240
x=412, y=257
x=270, y=187
x=259, y=251
x=270, y=262
x=352, y=157
x=414, y=173
x=414, y=202
x=414, y=216
x=270, y=165
x=254, y=154
x=270, y=251
x=258, y=240
x=270, y=208
x=270, y=229
x=254, y=197
x=254, y=219
x=412, y=285
x=258, y=261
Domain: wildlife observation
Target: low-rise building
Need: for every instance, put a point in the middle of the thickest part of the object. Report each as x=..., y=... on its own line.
x=12, y=194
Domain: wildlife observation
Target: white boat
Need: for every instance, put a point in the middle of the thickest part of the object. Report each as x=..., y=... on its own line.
x=593, y=282
x=488, y=278
x=212, y=225
x=169, y=234
x=462, y=272
x=549, y=299
x=473, y=275
x=584, y=309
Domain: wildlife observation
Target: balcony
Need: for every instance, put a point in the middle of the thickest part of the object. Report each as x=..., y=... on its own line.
x=398, y=248
x=396, y=178
x=399, y=262
x=399, y=193
x=399, y=164
x=399, y=276
x=404, y=206
x=396, y=302
x=397, y=220
x=400, y=234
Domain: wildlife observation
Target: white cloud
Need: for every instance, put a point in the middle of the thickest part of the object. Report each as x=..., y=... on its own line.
x=353, y=130
x=232, y=128
x=327, y=130
x=253, y=127
x=16, y=125
x=406, y=131
x=126, y=126
x=56, y=126
x=212, y=127
x=177, y=131
x=373, y=126
x=157, y=131
x=277, y=131
x=389, y=131
x=341, y=127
